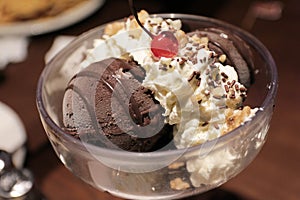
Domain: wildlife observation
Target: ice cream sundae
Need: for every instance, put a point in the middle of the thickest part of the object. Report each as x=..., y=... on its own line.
x=195, y=83
x=158, y=106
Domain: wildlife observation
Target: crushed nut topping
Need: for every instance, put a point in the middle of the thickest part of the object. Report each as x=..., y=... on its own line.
x=179, y=184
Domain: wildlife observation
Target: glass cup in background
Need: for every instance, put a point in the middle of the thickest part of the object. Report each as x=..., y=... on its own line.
x=169, y=174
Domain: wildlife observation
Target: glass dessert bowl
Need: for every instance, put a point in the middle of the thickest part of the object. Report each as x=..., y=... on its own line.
x=167, y=172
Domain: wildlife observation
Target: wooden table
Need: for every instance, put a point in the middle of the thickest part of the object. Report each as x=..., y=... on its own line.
x=275, y=172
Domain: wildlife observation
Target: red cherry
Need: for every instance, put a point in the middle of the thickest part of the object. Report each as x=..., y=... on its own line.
x=164, y=45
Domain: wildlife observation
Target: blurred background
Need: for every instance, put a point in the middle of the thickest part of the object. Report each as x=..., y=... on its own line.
x=274, y=174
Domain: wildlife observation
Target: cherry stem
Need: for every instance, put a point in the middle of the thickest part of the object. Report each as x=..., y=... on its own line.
x=135, y=14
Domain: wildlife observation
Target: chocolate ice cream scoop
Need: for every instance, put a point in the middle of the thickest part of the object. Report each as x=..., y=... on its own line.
x=105, y=104
x=238, y=53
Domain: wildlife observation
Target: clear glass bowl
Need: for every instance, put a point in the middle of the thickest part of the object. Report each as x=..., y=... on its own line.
x=190, y=171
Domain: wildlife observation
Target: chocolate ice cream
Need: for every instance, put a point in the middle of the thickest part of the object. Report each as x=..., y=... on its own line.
x=235, y=50
x=105, y=104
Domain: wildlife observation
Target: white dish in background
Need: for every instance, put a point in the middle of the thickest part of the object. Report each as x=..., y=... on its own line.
x=41, y=26
x=12, y=134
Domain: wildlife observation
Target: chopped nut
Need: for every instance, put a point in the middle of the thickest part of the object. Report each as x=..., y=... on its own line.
x=179, y=184
x=113, y=28
x=204, y=41
x=176, y=165
x=200, y=40
x=236, y=118
x=222, y=58
x=143, y=15
x=181, y=38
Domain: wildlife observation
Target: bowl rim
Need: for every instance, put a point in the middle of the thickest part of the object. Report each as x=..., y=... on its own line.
x=268, y=101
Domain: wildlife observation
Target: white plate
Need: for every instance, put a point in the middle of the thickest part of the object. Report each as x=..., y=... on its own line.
x=12, y=134
x=67, y=18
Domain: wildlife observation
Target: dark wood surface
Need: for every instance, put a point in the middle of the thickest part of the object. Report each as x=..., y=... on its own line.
x=274, y=174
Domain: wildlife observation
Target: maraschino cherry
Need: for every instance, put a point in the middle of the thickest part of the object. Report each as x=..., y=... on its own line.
x=164, y=44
